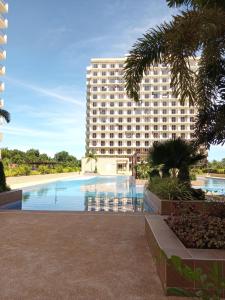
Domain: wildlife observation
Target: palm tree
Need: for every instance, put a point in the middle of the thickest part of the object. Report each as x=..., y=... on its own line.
x=175, y=154
x=3, y=187
x=198, y=28
x=5, y=115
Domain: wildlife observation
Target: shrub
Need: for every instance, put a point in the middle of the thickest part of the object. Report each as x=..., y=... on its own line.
x=199, y=230
x=173, y=189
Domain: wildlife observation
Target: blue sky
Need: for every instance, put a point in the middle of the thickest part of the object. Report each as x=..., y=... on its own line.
x=50, y=44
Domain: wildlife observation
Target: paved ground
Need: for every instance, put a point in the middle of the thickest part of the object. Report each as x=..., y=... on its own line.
x=75, y=256
x=24, y=181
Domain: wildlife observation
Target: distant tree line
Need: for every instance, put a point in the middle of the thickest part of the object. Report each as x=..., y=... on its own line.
x=32, y=162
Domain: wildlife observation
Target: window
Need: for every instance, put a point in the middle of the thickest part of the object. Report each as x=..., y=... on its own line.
x=155, y=104
x=164, y=111
x=120, y=127
x=111, y=127
x=103, y=66
x=182, y=111
x=182, y=127
x=102, y=143
x=120, y=143
x=111, y=143
x=94, y=112
x=129, y=104
x=147, y=96
x=102, y=151
x=94, y=127
x=138, y=120
x=147, y=87
x=128, y=151
x=129, y=112
x=120, y=120
x=95, y=66
x=155, y=135
x=174, y=135
x=103, y=73
x=192, y=127
x=112, y=96
x=174, y=127
x=155, y=119
x=164, y=135
x=146, y=143
x=129, y=120
x=95, y=73
x=95, y=88
x=111, y=112
x=192, y=119
x=120, y=112
x=103, y=104
x=111, y=151
x=94, y=120
x=155, y=127
x=138, y=135
x=182, y=135
x=146, y=135
x=94, y=143
x=155, y=80
x=112, y=104
x=146, y=127
x=155, y=111
x=173, y=103
x=128, y=143
x=111, y=120
x=128, y=127
x=95, y=96
x=164, y=127
x=103, y=127
x=164, y=103
x=147, y=104
x=173, y=119
x=173, y=111
x=112, y=73
x=111, y=135
x=120, y=104
x=137, y=127
x=182, y=119
x=94, y=135
x=138, y=143
x=164, y=120
x=112, y=66
x=94, y=104
x=102, y=135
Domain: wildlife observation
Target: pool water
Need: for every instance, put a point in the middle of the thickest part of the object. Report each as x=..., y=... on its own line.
x=98, y=193
x=214, y=185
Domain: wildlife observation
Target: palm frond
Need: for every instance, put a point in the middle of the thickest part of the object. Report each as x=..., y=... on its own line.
x=148, y=50
x=5, y=115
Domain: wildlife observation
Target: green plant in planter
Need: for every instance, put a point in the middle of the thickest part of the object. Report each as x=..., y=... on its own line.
x=213, y=281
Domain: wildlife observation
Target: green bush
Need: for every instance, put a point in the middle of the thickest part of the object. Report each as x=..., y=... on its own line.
x=22, y=170
x=172, y=189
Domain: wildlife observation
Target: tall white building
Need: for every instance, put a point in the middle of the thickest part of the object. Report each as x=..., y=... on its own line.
x=116, y=126
x=3, y=41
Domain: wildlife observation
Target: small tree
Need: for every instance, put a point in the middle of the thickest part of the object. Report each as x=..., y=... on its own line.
x=3, y=186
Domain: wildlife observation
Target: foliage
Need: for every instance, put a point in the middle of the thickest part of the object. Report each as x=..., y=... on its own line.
x=143, y=170
x=198, y=28
x=204, y=230
x=5, y=115
x=171, y=189
x=212, y=281
x=175, y=154
x=32, y=162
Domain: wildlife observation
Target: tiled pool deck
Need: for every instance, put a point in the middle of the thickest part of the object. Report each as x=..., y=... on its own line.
x=76, y=256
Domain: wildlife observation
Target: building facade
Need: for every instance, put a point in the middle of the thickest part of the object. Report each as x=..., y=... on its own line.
x=118, y=127
x=3, y=42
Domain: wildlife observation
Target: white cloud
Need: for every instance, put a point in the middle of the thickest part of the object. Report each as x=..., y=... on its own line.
x=54, y=94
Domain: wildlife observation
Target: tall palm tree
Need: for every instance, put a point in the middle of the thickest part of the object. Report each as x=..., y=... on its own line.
x=175, y=154
x=90, y=157
x=199, y=28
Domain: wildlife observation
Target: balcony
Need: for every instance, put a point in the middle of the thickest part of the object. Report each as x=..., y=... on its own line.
x=2, y=86
x=3, y=39
x=2, y=70
x=4, y=7
x=3, y=23
x=2, y=54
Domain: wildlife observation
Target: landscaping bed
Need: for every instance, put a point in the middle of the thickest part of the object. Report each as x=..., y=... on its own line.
x=164, y=244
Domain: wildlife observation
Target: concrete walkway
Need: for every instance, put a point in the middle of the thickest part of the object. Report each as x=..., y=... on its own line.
x=25, y=181
x=76, y=256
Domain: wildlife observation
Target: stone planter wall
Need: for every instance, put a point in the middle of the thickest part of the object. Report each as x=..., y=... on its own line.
x=166, y=207
x=10, y=196
x=161, y=239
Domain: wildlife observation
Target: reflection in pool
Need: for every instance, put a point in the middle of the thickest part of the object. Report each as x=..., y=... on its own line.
x=99, y=193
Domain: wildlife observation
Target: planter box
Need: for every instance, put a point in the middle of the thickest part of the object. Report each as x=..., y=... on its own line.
x=10, y=196
x=161, y=239
x=166, y=207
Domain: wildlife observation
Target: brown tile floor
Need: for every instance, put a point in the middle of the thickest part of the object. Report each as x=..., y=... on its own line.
x=75, y=256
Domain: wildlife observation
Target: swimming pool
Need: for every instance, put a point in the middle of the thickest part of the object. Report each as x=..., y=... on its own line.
x=98, y=193
x=213, y=185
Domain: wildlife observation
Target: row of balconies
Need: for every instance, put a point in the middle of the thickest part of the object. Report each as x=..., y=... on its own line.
x=150, y=105
x=118, y=81
x=107, y=75
x=137, y=114
x=3, y=7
